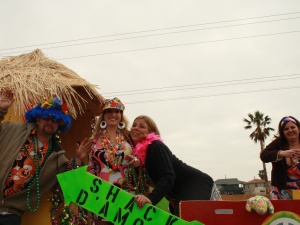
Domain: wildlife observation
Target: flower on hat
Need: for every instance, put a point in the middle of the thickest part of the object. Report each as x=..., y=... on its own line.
x=46, y=105
x=54, y=102
x=64, y=108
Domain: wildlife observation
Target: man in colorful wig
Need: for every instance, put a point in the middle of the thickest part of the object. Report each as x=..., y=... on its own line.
x=31, y=157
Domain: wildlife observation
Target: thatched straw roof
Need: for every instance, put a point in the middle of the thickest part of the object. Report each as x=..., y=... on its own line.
x=33, y=77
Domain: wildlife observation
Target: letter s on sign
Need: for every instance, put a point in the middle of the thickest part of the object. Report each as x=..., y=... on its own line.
x=95, y=188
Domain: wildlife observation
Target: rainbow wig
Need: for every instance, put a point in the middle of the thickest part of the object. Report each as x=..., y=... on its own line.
x=51, y=109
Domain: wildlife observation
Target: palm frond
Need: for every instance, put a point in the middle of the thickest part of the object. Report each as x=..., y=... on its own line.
x=259, y=123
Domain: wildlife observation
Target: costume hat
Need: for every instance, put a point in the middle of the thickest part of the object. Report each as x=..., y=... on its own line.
x=114, y=103
x=52, y=108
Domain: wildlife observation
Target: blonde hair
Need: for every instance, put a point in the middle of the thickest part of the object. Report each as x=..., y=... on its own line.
x=150, y=123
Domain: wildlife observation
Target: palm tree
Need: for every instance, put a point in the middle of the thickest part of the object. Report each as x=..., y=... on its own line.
x=261, y=131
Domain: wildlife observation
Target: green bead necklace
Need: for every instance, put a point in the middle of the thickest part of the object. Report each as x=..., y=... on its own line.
x=136, y=180
x=36, y=159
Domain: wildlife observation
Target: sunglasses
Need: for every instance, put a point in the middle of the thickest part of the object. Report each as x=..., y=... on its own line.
x=60, y=121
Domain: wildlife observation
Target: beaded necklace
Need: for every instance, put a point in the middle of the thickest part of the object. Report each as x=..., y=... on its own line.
x=136, y=178
x=38, y=166
x=113, y=154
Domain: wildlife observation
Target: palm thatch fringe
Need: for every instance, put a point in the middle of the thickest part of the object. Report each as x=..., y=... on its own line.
x=33, y=77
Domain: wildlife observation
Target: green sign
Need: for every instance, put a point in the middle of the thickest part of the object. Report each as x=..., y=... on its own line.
x=111, y=202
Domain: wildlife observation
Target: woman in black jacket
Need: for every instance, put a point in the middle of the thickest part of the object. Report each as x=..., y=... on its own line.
x=171, y=177
x=284, y=153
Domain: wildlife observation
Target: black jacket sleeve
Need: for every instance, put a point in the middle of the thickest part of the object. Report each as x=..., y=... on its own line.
x=270, y=153
x=160, y=170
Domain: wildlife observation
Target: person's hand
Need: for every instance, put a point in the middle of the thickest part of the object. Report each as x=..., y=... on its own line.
x=290, y=153
x=134, y=161
x=6, y=99
x=141, y=200
x=83, y=149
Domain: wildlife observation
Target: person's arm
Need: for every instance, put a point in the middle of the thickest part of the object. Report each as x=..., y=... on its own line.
x=290, y=153
x=6, y=101
x=272, y=153
x=160, y=164
x=275, y=152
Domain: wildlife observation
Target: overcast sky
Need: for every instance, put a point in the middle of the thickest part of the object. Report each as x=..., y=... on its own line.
x=196, y=67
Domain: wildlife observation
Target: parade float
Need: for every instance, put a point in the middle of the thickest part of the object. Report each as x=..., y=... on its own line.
x=33, y=77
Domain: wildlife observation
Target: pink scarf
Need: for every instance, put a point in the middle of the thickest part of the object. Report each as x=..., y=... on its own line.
x=140, y=149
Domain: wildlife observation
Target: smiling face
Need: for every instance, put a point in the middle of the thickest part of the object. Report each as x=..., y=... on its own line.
x=139, y=130
x=291, y=131
x=112, y=117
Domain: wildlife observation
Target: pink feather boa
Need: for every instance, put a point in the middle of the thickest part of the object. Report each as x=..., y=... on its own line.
x=140, y=149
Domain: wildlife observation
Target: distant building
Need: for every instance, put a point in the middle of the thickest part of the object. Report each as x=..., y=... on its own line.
x=252, y=186
x=230, y=186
